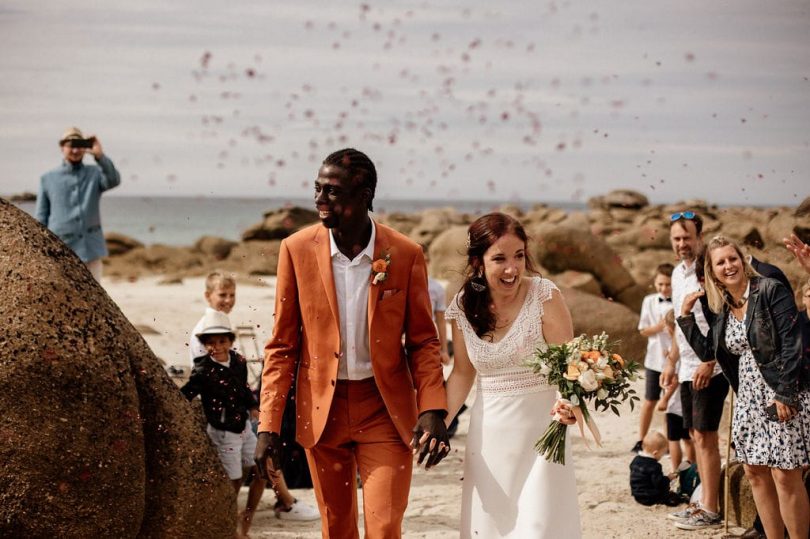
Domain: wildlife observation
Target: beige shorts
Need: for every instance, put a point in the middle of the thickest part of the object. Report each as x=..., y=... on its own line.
x=235, y=449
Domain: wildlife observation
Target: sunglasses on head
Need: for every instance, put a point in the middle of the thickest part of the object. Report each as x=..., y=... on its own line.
x=682, y=215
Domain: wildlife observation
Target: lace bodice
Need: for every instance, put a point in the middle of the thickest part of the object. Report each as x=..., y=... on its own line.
x=500, y=365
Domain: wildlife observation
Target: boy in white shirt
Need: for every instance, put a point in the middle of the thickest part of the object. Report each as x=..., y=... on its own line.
x=651, y=324
x=220, y=294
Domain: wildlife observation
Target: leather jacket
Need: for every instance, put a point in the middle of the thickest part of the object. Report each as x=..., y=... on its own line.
x=772, y=329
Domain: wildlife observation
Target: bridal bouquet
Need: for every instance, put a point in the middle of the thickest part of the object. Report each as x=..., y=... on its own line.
x=583, y=369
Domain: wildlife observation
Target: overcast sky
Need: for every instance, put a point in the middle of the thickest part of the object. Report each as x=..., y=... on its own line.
x=547, y=101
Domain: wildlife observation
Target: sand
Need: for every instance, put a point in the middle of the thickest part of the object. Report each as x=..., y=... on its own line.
x=166, y=313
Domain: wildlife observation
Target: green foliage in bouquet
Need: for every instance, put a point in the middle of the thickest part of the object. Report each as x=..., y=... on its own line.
x=583, y=369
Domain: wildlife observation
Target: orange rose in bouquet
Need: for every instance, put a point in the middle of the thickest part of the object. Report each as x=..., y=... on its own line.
x=583, y=369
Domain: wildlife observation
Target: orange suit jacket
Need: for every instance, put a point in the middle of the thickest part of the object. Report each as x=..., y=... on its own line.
x=306, y=335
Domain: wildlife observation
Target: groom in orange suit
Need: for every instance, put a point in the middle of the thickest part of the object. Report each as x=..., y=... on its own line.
x=346, y=291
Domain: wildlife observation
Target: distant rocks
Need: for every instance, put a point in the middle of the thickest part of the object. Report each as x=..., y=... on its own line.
x=95, y=439
x=118, y=244
x=611, y=249
x=278, y=224
x=620, y=198
x=23, y=197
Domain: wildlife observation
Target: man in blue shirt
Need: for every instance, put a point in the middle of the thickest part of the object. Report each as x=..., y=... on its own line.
x=68, y=199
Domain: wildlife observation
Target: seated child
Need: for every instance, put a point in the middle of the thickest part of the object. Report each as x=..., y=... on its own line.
x=648, y=484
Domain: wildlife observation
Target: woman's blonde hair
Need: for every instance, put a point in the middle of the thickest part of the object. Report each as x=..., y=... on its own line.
x=715, y=291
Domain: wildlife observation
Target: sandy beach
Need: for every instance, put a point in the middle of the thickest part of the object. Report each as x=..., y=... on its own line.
x=164, y=314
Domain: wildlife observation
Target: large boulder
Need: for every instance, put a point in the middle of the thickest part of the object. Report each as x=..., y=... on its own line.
x=399, y=221
x=95, y=439
x=280, y=223
x=786, y=223
x=448, y=257
x=803, y=209
x=560, y=248
x=214, y=247
x=435, y=221
x=592, y=315
x=583, y=282
x=254, y=258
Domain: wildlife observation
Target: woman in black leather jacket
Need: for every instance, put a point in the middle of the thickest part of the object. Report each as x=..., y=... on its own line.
x=756, y=339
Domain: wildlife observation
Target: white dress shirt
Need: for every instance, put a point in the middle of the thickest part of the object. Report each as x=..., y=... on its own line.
x=653, y=309
x=352, y=279
x=684, y=282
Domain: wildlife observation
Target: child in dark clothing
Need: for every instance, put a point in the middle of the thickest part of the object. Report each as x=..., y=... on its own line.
x=220, y=378
x=648, y=484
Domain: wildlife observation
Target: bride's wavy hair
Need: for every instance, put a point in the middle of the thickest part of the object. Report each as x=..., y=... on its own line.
x=476, y=299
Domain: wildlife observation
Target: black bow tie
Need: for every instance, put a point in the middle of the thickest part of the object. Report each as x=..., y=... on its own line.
x=662, y=300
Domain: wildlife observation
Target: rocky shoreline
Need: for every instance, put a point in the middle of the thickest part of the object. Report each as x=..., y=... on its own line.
x=603, y=258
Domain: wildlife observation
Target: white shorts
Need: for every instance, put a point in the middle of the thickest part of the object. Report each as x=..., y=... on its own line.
x=235, y=449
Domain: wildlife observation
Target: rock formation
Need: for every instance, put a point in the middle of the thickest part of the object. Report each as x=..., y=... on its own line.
x=95, y=439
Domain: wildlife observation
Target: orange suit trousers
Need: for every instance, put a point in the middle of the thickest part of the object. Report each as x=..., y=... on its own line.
x=360, y=435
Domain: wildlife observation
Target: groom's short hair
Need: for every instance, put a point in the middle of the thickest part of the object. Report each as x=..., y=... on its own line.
x=359, y=167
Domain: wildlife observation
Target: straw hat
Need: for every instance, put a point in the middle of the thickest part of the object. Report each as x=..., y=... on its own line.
x=216, y=323
x=74, y=133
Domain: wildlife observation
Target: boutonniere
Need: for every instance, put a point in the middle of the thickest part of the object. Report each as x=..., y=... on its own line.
x=379, y=269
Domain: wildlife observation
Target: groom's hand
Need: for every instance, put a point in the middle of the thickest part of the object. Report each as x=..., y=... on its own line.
x=268, y=455
x=430, y=439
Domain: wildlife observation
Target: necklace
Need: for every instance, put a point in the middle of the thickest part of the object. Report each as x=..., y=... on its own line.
x=737, y=304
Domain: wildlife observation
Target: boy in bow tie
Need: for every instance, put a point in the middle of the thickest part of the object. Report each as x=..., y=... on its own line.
x=651, y=325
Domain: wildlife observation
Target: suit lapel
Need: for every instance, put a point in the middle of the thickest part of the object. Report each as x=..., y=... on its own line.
x=381, y=246
x=323, y=256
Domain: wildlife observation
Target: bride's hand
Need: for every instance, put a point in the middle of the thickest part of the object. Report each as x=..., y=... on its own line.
x=562, y=412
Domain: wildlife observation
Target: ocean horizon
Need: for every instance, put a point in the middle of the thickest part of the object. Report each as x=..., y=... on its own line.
x=178, y=220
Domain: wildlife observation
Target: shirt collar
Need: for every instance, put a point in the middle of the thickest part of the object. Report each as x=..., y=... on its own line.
x=71, y=166
x=368, y=251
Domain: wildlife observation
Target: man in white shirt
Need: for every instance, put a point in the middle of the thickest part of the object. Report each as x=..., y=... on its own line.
x=703, y=387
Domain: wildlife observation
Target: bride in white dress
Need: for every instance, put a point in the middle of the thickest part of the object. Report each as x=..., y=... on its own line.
x=500, y=317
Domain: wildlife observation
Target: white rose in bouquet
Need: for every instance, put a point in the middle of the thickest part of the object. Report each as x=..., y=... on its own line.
x=588, y=381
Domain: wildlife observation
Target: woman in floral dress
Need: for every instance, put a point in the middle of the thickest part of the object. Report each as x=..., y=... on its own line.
x=757, y=341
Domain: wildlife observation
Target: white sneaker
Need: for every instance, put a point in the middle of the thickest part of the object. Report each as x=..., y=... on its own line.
x=299, y=511
x=684, y=514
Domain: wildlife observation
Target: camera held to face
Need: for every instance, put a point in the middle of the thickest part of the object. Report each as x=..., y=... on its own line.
x=85, y=143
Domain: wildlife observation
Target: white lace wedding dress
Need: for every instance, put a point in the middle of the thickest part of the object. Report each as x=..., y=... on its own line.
x=509, y=490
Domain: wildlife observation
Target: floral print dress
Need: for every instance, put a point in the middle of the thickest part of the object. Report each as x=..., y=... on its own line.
x=758, y=440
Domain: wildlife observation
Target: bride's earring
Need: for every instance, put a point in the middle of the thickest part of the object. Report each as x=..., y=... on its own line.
x=478, y=283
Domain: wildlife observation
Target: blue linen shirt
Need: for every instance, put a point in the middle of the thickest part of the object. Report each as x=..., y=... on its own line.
x=68, y=204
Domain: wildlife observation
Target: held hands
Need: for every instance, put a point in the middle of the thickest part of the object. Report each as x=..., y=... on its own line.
x=430, y=439
x=268, y=456
x=689, y=301
x=563, y=413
